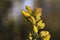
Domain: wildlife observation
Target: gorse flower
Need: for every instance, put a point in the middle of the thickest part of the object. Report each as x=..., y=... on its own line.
x=35, y=18
x=35, y=28
x=40, y=24
x=37, y=13
x=29, y=9
x=45, y=35
x=26, y=14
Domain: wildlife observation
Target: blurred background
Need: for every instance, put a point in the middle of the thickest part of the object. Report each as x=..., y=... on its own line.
x=13, y=25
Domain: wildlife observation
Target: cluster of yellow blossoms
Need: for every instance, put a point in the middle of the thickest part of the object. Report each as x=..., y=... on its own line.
x=34, y=16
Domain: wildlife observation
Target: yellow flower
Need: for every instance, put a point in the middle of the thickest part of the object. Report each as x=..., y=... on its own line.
x=45, y=35
x=29, y=9
x=33, y=19
x=40, y=24
x=37, y=12
x=26, y=14
x=35, y=28
x=38, y=16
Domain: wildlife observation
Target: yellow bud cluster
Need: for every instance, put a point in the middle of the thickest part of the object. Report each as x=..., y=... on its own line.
x=37, y=13
x=40, y=24
x=35, y=18
x=29, y=9
x=45, y=35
